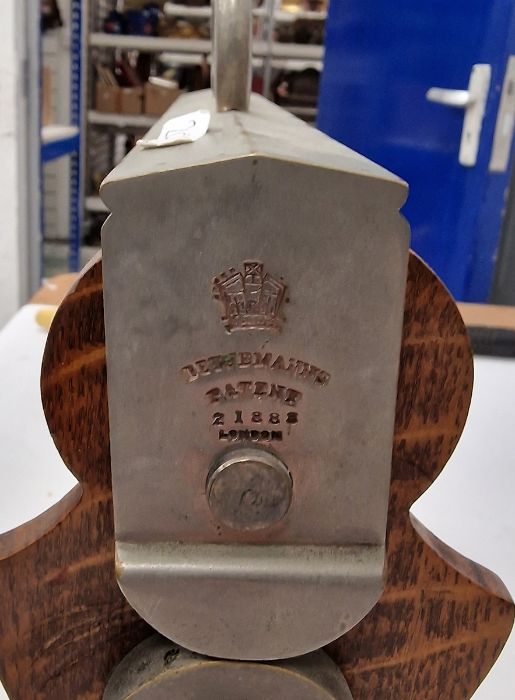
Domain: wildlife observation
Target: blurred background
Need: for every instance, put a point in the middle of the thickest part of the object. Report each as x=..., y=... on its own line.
x=92, y=76
x=425, y=89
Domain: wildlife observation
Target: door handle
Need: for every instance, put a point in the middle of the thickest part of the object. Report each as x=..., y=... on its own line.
x=450, y=98
x=505, y=123
x=473, y=101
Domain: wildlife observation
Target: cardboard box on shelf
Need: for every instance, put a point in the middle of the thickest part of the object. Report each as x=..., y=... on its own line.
x=131, y=100
x=158, y=99
x=107, y=98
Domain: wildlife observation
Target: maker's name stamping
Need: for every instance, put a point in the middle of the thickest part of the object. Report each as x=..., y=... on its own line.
x=255, y=360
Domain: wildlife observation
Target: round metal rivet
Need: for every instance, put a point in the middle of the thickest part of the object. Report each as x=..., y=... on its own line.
x=249, y=489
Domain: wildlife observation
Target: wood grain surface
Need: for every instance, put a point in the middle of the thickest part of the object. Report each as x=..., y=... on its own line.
x=433, y=635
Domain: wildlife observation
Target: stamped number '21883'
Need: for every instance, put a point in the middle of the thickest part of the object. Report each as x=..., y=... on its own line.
x=255, y=417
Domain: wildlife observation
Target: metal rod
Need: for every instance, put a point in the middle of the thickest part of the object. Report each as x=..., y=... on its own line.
x=267, y=76
x=232, y=54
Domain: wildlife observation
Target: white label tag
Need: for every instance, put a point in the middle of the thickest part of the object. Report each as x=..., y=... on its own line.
x=184, y=129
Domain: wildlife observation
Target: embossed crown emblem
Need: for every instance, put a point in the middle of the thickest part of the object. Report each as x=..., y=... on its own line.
x=251, y=300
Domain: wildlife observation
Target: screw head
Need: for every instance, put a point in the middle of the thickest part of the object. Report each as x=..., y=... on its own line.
x=249, y=489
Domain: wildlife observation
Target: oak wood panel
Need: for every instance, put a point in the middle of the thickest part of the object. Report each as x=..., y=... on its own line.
x=63, y=622
x=434, y=634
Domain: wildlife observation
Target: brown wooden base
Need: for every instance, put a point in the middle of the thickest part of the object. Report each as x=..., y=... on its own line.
x=434, y=634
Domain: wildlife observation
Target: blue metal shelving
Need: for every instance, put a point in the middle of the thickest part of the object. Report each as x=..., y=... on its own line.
x=76, y=185
x=58, y=141
x=59, y=147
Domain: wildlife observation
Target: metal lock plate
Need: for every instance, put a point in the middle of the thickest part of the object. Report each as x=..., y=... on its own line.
x=254, y=287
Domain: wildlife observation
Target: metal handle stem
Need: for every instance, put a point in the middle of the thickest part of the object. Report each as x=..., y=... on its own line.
x=232, y=54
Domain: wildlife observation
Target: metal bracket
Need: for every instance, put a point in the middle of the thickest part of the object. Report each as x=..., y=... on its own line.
x=252, y=346
x=247, y=339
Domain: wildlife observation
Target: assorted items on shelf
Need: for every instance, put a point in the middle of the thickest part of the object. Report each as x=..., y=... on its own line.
x=143, y=55
x=130, y=96
x=50, y=15
x=297, y=22
x=142, y=21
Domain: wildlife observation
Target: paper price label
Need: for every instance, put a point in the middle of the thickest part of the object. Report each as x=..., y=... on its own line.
x=186, y=128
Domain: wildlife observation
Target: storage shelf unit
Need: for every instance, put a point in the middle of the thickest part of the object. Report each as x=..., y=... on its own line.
x=58, y=141
x=303, y=112
x=268, y=55
x=176, y=10
x=305, y=52
x=65, y=140
x=76, y=170
x=122, y=121
x=175, y=58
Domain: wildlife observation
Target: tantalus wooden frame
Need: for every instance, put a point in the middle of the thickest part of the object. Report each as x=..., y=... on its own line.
x=64, y=625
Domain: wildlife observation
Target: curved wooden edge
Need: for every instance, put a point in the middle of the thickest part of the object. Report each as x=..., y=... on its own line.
x=27, y=533
x=19, y=538
x=433, y=634
x=64, y=624
x=436, y=376
x=83, y=353
x=474, y=572
x=95, y=260
x=478, y=574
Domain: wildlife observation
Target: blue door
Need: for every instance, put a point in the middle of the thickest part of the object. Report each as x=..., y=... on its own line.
x=416, y=85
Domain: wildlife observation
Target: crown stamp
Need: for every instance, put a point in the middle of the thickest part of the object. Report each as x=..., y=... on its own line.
x=250, y=300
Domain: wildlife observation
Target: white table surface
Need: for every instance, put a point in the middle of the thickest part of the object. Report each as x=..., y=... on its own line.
x=470, y=506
